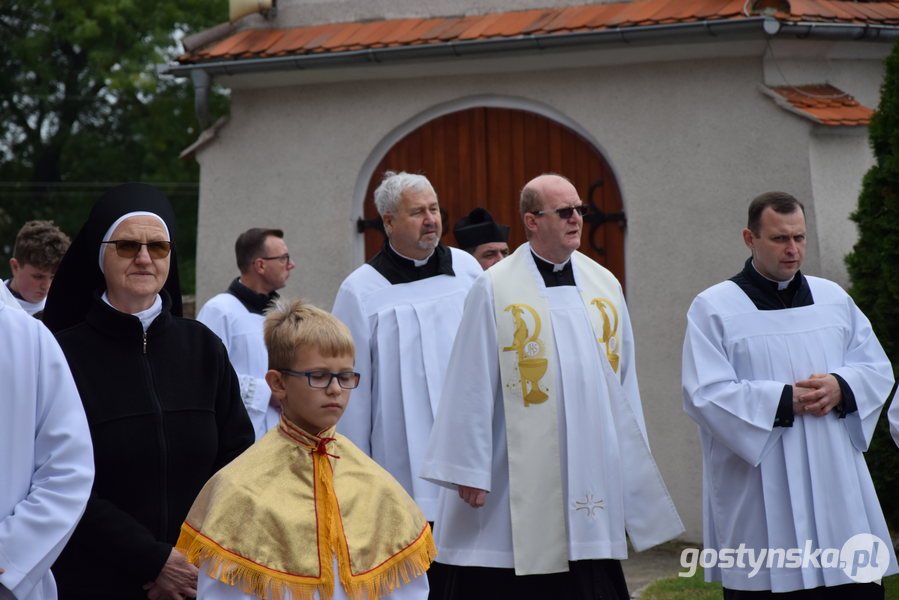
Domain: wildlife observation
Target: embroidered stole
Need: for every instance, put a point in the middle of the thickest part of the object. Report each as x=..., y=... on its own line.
x=273, y=519
x=526, y=345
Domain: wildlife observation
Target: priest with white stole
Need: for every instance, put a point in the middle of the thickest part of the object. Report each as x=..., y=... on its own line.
x=786, y=379
x=539, y=442
x=403, y=308
x=46, y=458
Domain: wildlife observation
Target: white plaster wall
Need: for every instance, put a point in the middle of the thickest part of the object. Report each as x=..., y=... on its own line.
x=838, y=161
x=838, y=156
x=691, y=142
x=854, y=67
x=272, y=166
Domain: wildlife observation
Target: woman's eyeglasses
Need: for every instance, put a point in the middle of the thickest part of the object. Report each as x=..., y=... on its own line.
x=131, y=248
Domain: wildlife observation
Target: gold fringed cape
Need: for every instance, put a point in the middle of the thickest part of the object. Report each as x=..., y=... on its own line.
x=274, y=518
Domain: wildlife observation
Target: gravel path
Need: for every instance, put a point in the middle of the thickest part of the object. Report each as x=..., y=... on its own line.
x=642, y=568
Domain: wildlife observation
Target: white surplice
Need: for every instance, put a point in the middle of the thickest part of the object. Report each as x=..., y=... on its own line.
x=29, y=307
x=894, y=421
x=782, y=487
x=241, y=332
x=404, y=334
x=46, y=459
x=213, y=589
x=468, y=443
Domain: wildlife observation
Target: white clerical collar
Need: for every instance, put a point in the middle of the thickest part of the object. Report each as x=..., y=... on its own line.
x=556, y=266
x=415, y=261
x=781, y=285
x=146, y=316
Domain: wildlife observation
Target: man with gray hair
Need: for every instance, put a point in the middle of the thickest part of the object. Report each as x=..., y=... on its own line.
x=403, y=308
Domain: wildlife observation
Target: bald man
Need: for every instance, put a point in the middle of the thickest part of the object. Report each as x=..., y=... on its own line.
x=512, y=523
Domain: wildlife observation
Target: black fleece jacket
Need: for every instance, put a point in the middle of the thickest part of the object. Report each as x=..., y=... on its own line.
x=165, y=414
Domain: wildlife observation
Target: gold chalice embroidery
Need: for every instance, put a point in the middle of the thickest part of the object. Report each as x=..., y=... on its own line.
x=609, y=330
x=531, y=364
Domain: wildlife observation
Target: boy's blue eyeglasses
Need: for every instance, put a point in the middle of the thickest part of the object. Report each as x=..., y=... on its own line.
x=348, y=380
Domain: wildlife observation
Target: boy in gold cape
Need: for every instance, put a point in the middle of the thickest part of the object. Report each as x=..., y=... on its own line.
x=304, y=514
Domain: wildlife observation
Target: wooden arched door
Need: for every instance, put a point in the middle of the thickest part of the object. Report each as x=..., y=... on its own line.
x=483, y=156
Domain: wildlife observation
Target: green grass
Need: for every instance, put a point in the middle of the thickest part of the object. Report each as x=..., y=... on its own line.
x=682, y=588
x=694, y=588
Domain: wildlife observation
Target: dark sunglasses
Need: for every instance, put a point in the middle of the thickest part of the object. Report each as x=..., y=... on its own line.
x=565, y=212
x=131, y=248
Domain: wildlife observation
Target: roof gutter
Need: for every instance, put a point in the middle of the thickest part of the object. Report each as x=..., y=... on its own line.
x=471, y=48
x=845, y=31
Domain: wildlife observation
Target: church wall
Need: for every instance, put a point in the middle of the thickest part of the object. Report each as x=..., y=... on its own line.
x=839, y=161
x=690, y=141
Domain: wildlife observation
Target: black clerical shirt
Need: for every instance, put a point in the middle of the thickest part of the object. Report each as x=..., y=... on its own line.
x=552, y=277
x=764, y=293
x=253, y=301
x=398, y=269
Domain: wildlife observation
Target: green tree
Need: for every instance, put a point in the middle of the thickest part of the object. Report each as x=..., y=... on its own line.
x=82, y=108
x=874, y=267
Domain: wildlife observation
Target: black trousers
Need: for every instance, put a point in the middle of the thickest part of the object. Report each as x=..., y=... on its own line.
x=851, y=591
x=437, y=580
x=585, y=580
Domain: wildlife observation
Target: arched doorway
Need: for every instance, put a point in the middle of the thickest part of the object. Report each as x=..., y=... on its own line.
x=483, y=156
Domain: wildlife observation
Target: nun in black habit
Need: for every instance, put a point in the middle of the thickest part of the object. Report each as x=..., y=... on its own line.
x=161, y=399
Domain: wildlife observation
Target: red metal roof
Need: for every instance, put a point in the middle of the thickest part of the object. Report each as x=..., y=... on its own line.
x=344, y=37
x=822, y=103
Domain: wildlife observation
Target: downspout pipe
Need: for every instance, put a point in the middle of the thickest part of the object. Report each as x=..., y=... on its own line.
x=202, y=82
